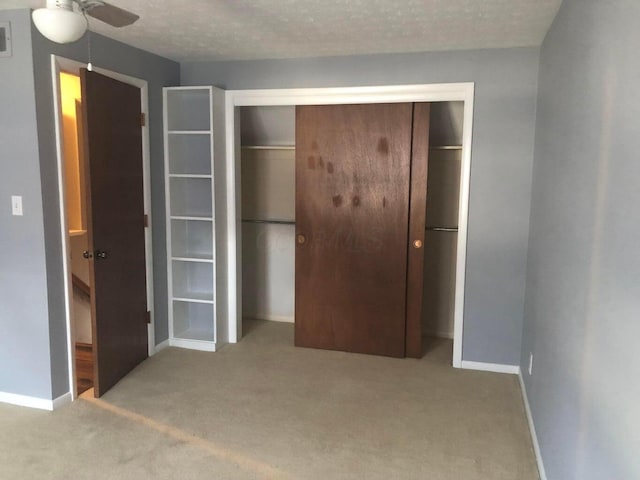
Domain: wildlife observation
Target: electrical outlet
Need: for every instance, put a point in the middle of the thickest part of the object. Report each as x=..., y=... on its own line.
x=530, y=363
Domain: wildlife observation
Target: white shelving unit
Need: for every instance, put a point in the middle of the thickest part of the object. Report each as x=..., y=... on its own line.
x=196, y=223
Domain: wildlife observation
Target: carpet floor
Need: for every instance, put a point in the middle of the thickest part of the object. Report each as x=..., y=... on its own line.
x=263, y=409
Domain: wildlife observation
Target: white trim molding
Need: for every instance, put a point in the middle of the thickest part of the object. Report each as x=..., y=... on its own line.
x=491, y=367
x=442, y=92
x=35, y=402
x=532, y=429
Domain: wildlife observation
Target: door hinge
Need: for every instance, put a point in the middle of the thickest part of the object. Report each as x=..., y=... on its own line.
x=147, y=316
x=143, y=119
x=146, y=221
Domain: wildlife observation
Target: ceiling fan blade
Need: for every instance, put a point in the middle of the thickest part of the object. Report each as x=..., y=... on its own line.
x=114, y=16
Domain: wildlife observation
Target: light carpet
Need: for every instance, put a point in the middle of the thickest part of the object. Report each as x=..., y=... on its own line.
x=264, y=409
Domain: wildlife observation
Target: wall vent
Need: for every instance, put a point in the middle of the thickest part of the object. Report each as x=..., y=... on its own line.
x=5, y=39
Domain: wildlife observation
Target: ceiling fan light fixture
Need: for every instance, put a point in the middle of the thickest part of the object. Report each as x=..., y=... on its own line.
x=59, y=22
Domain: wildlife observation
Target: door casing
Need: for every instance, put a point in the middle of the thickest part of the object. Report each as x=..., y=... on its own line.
x=59, y=64
x=428, y=93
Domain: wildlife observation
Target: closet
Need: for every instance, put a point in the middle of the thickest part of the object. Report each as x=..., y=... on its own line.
x=268, y=212
x=268, y=220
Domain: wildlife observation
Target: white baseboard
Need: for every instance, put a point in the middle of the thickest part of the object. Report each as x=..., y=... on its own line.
x=161, y=346
x=271, y=318
x=491, y=367
x=35, y=402
x=532, y=429
x=62, y=400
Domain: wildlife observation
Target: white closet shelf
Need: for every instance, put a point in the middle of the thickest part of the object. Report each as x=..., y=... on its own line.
x=269, y=147
x=189, y=132
x=194, y=297
x=193, y=258
x=190, y=175
x=445, y=147
x=206, y=345
x=202, y=334
x=190, y=217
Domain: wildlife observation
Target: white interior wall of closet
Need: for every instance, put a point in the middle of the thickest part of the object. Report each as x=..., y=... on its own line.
x=443, y=193
x=268, y=194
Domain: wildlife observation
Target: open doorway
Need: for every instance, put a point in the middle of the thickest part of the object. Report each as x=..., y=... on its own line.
x=103, y=167
x=75, y=208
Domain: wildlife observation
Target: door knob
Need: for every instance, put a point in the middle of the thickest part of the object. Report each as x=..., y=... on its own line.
x=101, y=254
x=87, y=254
x=301, y=239
x=417, y=244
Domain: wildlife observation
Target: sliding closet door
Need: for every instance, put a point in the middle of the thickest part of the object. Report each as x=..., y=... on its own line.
x=417, y=225
x=352, y=208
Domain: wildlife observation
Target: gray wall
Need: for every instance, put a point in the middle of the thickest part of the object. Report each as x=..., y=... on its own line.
x=33, y=358
x=506, y=83
x=24, y=331
x=582, y=318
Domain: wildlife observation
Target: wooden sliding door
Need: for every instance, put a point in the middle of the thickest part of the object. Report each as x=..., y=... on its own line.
x=353, y=168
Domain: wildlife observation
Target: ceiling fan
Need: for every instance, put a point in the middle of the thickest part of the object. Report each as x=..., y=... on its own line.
x=60, y=22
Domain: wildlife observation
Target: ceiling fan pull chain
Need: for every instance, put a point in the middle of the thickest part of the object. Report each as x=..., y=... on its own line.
x=89, y=65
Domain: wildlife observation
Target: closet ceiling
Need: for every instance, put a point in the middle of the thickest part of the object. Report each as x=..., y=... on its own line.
x=204, y=30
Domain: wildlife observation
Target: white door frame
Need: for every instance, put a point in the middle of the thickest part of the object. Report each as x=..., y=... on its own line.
x=348, y=95
x=59, y=64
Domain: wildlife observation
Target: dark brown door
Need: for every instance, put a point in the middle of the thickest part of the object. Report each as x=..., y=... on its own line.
x=352, y=208
x=417, y=224
x=115, y=224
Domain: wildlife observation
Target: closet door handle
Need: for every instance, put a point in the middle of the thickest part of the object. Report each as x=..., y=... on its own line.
x=417, y=244
x=101, y=254
x=87, y=254
x=301, y=239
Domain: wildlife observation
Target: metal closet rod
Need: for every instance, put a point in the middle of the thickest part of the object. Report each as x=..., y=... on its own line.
x=442, y=229
x=276, y=222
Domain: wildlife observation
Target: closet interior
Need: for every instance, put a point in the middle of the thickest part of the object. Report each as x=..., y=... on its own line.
x=268, y=215
x=268, y=212
x=441, y=236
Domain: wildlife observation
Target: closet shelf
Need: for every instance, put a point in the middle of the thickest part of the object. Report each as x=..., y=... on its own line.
x=189, y=175
x=193, y=298
x=442, y=229
x=192, y=258
x=195, y=334
x=189, y=132
x=191, y=217
x=445, y=147
x=274, y=222
x=268, y=147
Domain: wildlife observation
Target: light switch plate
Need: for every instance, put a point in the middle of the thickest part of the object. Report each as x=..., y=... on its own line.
x=16, y=205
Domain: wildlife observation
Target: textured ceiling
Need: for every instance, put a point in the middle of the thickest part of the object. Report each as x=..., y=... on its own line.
x=198, y=30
